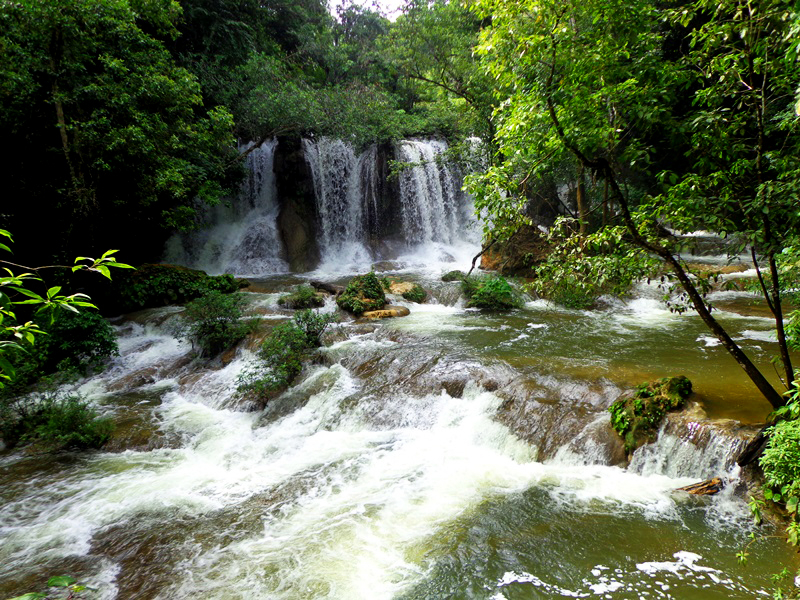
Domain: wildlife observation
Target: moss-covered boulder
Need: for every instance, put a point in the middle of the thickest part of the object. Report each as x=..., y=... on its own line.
x=454, y=276
x=637, y=417
x=490, y=292
x=153, y=285
x=303, y=297
x=363, y=293
x=413, y=292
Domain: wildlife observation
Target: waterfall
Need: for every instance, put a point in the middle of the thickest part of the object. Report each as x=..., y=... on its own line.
x=342, y=181
x=429, y=194
x=241, y=236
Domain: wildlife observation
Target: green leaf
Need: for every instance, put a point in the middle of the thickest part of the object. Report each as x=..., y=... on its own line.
x=61, y=581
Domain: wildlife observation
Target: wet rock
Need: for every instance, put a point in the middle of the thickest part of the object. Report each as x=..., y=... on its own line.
x=387, y=313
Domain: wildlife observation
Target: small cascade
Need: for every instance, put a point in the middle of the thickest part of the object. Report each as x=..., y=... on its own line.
x=688, y=446
x=429, y=194
x=242, y=236
x=344, y=183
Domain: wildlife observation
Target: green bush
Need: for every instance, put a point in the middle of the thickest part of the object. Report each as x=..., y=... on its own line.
x=490, y=292
x=454, y=276
x=363, y=293
x=214, y=322
x=636, y=418
x=416, y=294
x=160, y=285
x=81, y=341
x=303, y=297
x=53, y=421
x=570, y=293
x=282, y=354
x=75, y=344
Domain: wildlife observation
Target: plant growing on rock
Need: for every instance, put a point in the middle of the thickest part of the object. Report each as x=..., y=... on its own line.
x=363, y=293
x=490, y=292
x=53, y=421
x=637, y=417
x=214, y=322
x=281, y=356
x=416, y=294
x=454, y=276
x=303, y=297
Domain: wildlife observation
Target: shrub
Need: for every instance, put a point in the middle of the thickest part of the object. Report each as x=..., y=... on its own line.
x=303, y=297
x=75, y=344
x=54, y=421
x=454, y=276
x=492, y=293
x=416, y=294
x=159, y=285
x=282, y=353
x=363, y=293
x=77, y=341
x=214, y=323
x=569, y=293
x=637, y=417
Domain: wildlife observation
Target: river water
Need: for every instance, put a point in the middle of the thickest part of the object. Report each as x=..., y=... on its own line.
x=450, y=454
x=419, y=458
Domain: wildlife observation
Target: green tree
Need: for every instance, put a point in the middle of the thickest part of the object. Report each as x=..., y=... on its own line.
x=104, y=124
x=590, y=84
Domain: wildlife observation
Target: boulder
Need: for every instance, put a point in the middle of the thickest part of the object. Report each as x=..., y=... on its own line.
x=387, y=313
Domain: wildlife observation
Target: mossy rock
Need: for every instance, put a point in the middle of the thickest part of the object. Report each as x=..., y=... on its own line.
x=490, y=292
x=363, y=293
x=153, y=285
x=416, y=294
x=454, y=276
x=637, y=417
x=303, y=297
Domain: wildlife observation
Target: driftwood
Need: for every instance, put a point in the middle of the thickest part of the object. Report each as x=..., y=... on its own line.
x=704, y=488
x=327, y=287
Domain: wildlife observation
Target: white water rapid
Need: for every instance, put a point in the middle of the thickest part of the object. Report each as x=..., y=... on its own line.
x=366, y=481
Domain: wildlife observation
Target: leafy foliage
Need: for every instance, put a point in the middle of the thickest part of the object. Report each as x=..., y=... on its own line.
x=363, y=293
x=491, y=292
x=416, y=294
x=160, y=285
x=282, y=354
x=17, y=291
x=53, y=421
x=304, y=296
x=636, y=418
x=213, y=322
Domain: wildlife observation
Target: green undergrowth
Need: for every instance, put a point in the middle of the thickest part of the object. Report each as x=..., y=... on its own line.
x=637, y=417
x=53, y=421
x=490, y=292
x=304, y=296
x=282, y=354
x=75, y=344
x=363, y=293
x=151, y=285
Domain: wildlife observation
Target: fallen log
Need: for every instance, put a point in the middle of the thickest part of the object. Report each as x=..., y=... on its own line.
x=704, y=488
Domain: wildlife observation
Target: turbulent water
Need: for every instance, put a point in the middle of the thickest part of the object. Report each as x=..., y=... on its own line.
x=450, y=454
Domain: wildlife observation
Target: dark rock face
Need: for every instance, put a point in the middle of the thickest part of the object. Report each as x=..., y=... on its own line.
x=383, y=206
x=298, y=220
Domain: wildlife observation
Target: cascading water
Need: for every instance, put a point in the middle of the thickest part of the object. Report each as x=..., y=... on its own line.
x=342, y=182
x=242, y=236
x=429, y=194
x=390, y=471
